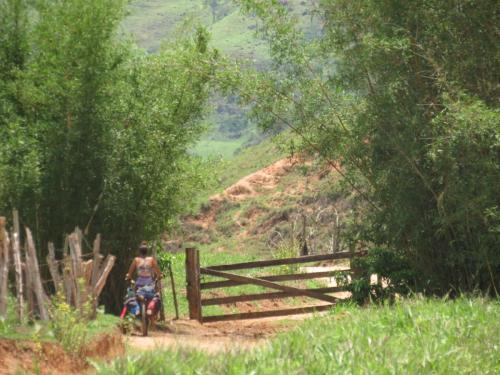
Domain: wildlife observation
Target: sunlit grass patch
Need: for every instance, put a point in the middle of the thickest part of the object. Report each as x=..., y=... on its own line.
x=417, y=336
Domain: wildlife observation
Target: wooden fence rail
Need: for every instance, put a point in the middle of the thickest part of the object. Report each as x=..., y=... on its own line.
x=195, y=287
x=291, y=277
x=77, y=280
x=284, y=261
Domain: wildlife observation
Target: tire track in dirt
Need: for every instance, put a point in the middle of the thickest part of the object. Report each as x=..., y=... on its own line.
x=232, y=336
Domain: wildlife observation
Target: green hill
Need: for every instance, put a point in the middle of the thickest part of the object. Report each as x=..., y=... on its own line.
x=150, y=22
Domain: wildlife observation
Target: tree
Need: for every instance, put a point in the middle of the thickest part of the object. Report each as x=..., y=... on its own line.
x=401, y=98
x=19, y=172
x=74, y=60
x=151, y=178
x=97, y=132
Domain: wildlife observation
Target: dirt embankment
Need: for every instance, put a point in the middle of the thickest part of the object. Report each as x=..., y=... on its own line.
x=249, y=186
x=22, y=356
x=272, y=204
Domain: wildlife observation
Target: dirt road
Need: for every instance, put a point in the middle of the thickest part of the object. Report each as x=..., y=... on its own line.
x=215, y=337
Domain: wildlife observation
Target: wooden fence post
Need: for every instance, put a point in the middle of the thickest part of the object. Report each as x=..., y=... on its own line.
x=69, y=285
x=16, y=255
x=34, y=270
x=193, y=283
x=107, y=265
x=96, y=266
x=304, y=250
x=174, y=293
x=4, y=266
x=54, y=269
x=76, y=266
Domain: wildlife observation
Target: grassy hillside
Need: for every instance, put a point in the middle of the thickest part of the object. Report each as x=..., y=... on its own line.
x=411, y=337
x=259, y=204
x=150, y=22
x=236, y=162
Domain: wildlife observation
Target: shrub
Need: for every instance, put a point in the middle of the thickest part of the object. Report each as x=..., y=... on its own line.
x=395, y=276
x=69, y=325
x=286, y=249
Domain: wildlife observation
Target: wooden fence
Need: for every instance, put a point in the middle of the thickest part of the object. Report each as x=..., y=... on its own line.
x=79, y=281
x=195, y=286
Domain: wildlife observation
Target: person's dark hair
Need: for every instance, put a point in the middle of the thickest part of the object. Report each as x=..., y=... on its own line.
x=143, y=249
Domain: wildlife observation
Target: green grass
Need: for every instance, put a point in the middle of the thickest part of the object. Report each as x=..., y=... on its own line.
x=11, y=329
x=230, y=170
x=248, y=161
x=152, y=21
x=412, y=337
x=209, y=255
x=235, y=35
x=224, y=149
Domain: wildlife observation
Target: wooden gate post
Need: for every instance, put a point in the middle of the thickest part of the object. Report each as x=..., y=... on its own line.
x=193, y=283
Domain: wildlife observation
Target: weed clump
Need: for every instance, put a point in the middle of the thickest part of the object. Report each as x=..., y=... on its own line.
x=69, y=325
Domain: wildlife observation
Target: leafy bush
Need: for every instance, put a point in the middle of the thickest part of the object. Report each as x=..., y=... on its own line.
x=286, y=249
x=395, y=276
x=165, y=261
x=3, y=325
x=69, y=325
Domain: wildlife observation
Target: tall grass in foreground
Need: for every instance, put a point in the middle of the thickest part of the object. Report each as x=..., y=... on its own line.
x=412, y=337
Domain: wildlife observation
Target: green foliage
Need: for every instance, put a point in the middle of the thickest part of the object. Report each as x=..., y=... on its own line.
x=19, y=167
x=165, y=260
x=405, y=98
x=233, y=34
x=286, y=249
x=69, y=326
x=411, y=337
x=93, y=132
x=3, y=325
x=223, y=149
x=394, y=273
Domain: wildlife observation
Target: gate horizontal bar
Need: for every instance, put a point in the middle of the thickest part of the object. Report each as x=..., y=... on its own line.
x=269, y=284
x=295, y=276
x=265, y=314
x=262, y=296
x=279, y=262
